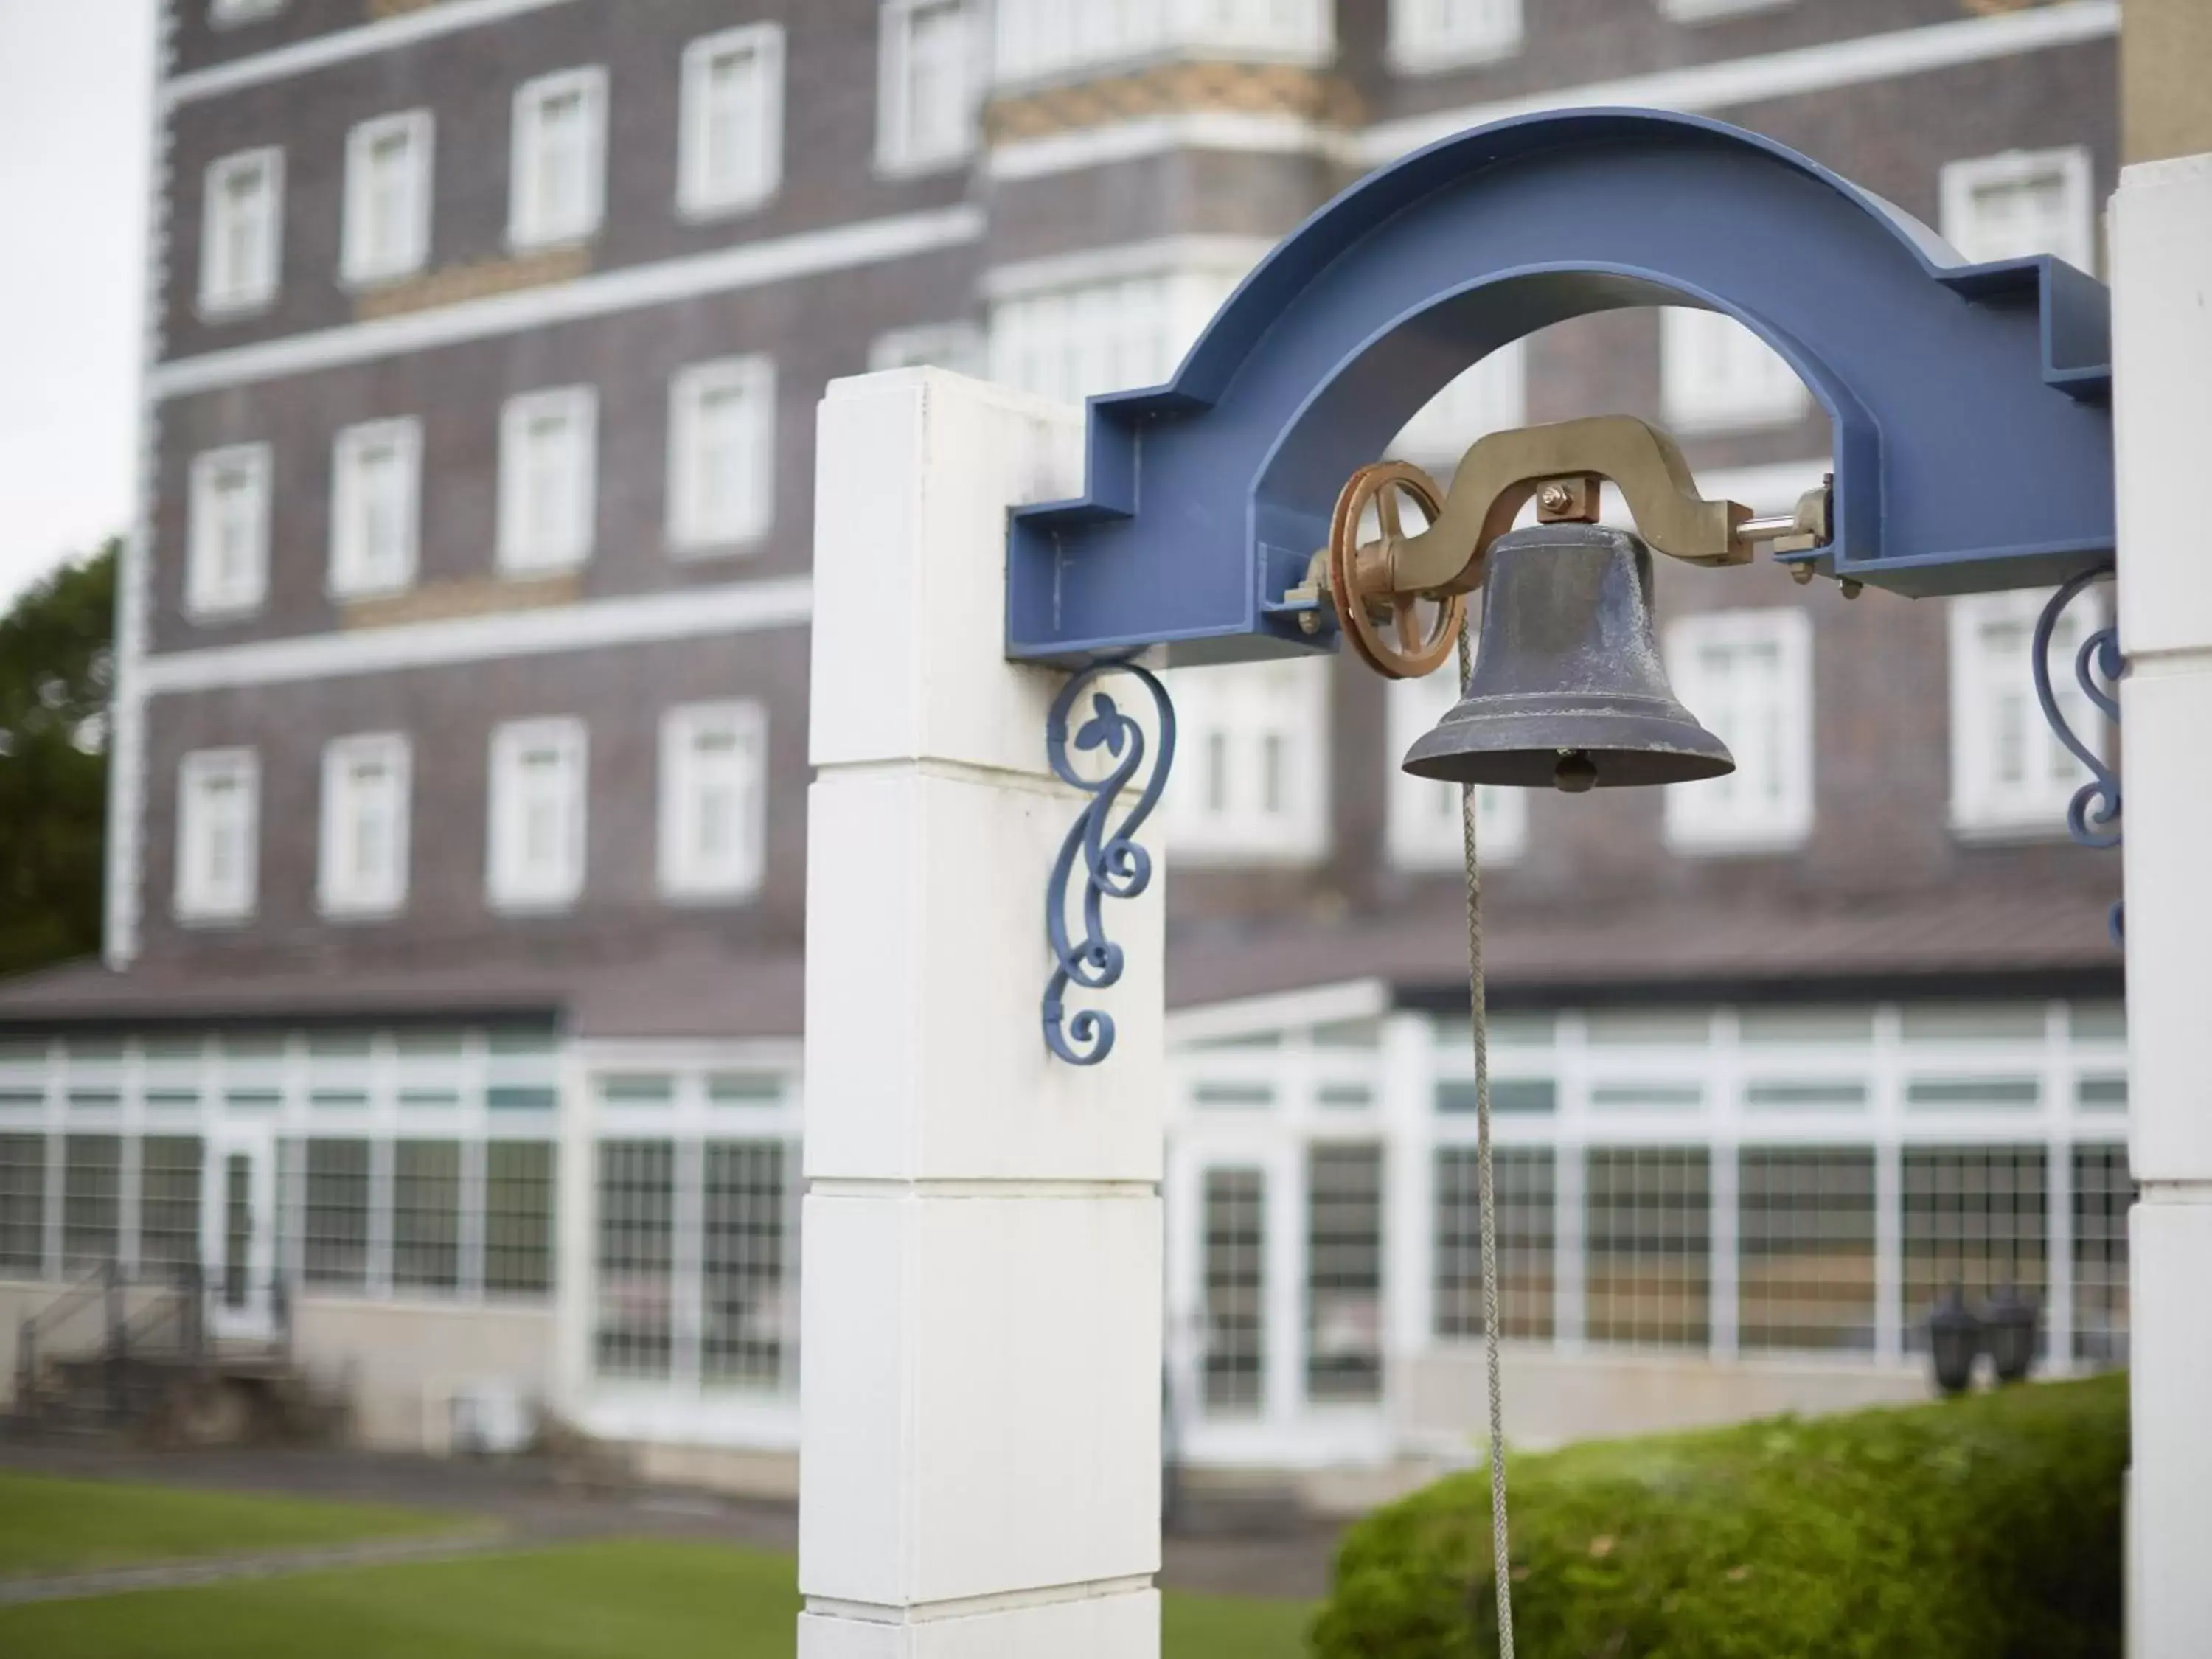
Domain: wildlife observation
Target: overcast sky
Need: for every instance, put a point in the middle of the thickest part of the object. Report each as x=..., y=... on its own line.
x=75, y=79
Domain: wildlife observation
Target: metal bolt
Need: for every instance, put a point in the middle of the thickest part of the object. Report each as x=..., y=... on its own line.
x=1309, y=622
x=1801, y=574
x=1554, y=497
x=1851, y=589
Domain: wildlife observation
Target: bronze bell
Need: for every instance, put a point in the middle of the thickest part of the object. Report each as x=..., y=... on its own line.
x=1568, y=690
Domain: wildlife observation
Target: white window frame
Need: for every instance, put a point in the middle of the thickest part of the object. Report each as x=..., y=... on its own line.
x=1423, y=830
x=1417, y=47
x=197, y=897
x=1293, y=695
x=1490, y=396
x=205, y=598
x=519, y=551
x=1702, y=818
x=511, y=888
x=1961, y=179
x=350, y=575
x=897, y=151
x=1034, y=42
x=337, y=892
x=956, y=346
x=1696, y=401
x=696, y=195
x=1109, y=325
x=230, y=294
x=682, y=875
x=229, y=14
x=359, y=261
x=527, y=224
x=753, y=377
x=1982, y=805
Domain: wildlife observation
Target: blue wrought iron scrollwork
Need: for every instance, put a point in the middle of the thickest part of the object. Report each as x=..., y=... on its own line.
x=1114, y=866
x=2092, y=816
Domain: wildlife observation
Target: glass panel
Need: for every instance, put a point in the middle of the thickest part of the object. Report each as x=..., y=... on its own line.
x=1524, y=1177
x=520, y=1097
x=1235, y=1271
x=1647, y=1097
x=1614, y=1028
x=1807, y=1248
x=1344, y=1273
x=168, y=1202
x=1975, y=1217
x=509, y=1040
x=745, y=1088
x=2099, y=1022
x=2103, y=1190
x=637, y=1241
x=427, y=1044
x=1348, y=1034
x=1806, y=1027
x=1233, y=1094
x=518, y=1217
x=22, y=1204
x=1520, y=1095
x=1973, y=1022
x=1811, y=1095
x=92, y=1193
x=2102, y=1093
x=749, y=1308
x=1970, y=1091
x=237, y=1229
x=338, y=1045
x=1648, y=1236
x=426, y=1214
x=336, y=1222
x=1345, y=1097
x=635, y=1089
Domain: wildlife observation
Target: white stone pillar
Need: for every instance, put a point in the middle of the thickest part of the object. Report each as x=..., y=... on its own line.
x=2161, y=238
x=980, y=1348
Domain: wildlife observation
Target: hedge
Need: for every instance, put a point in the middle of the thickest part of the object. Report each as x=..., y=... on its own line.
x=1983, y=1527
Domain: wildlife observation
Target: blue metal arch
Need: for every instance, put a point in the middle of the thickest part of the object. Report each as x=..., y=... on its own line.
x=1970, y=405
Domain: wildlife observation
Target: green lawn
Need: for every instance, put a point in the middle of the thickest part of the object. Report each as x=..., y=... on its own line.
x=609, y=1601
x=55, y=1526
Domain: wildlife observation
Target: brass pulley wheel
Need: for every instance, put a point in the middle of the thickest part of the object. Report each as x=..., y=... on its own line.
x=1401, y=637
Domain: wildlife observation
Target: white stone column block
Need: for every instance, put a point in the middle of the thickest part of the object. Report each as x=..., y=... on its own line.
x=981, y=1297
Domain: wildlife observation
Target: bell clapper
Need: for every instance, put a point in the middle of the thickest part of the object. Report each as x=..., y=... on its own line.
x=1575, y=772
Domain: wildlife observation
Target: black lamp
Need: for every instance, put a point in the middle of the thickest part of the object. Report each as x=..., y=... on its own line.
x=1955, y=1337
x=2011, y=1319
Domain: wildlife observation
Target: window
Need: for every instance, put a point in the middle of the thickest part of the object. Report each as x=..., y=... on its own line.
x=1717, y=375
x=1036, y=40
x=518, y=1243
x=1703, y=11
x=721, y=473
x=376, y=470
x=1523, y=1176
x=536, y=828
x=1443, y=34
x=168, y=1202
x=1344, y=1273
x=2103, y=1191
x=226, y=568
x=1974, y=1217
x=749, y=1315
x=556, y=191
x=633, y=1334
x=2009, y=772
x=1490, y=396
x=1747, y=676
x=548, y=484
x=92, y=1200
x=1647, y=1245
x=926, y=94
x=1072, y=343
x=1235, y=1274
x=365, y=824
x=218, y=813
x=387, y=197
x=241, y=230
x=2020, y=204
x=732, y=154
x=1425, y=832
x=426, y=1214
x=22, y=1204
x=1251, y=762
x=956, y=346
x=334, y=1222
x=1806, y=1279
x=712, y=800
x=224, y=13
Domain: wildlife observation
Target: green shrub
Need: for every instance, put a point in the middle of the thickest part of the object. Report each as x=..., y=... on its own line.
x=1986, y=1527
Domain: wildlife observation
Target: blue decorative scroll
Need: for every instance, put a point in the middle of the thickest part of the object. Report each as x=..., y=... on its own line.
x=2092, y=816
x=1114, y=866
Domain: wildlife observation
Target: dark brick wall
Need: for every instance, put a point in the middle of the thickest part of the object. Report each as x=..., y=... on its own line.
x=449, y=713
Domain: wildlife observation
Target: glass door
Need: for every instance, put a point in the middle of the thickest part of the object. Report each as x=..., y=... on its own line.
x=238, y=1238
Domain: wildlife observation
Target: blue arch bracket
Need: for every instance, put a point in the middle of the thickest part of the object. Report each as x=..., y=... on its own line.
x=1969, y=405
